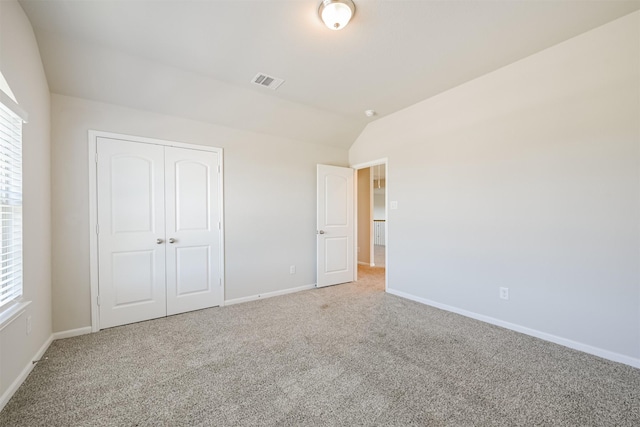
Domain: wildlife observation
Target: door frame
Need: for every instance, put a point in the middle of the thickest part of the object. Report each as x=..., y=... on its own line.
x=382, y=161
x=93, y=136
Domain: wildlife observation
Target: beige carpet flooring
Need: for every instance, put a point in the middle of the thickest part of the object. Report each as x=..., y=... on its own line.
x=347, y=355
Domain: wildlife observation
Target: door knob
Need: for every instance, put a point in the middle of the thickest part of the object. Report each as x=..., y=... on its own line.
x=159, y=241
x=172, y=240
x=321, y=232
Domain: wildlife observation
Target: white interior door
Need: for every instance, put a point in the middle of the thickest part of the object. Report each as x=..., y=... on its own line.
x=131, y=222
x=335, y=225
x=193, y=230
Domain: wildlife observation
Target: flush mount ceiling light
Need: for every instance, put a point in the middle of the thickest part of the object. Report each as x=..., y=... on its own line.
x=336, y=13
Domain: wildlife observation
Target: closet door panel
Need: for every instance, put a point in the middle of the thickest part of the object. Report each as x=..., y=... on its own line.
x=192, y=230
x=130, y=183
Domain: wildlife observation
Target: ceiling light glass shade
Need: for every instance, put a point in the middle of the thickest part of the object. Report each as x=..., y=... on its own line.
x=336, y=14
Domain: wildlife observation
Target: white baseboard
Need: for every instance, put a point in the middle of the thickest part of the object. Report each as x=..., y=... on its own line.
x=268, y=295
x=605, y=354
x=366, y=263
x=72, y=333
x=6, y=396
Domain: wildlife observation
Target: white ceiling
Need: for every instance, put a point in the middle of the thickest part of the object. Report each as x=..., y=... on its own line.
x=195, y=59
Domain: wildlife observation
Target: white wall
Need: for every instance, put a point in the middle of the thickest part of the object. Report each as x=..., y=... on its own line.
x=269, y=190
x=21, y=66
x=525, y=178
x=379, y=209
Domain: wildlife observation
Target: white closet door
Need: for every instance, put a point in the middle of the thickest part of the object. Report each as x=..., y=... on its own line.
x=131, y=222
x=192, y=230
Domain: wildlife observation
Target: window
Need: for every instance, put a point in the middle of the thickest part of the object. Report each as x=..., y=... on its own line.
x=10, y=205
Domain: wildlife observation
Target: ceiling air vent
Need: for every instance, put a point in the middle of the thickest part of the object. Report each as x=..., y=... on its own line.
x=264, y=80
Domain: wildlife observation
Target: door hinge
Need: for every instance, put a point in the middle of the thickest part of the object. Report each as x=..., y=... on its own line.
x=96, y=157
x=97, y=228
x=98, y=299
x=218, y=168
x=219, y=225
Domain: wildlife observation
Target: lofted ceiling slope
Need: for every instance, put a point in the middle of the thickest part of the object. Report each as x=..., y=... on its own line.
x=195, y=59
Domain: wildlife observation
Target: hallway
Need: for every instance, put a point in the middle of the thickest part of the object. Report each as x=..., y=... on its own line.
x=373, y=277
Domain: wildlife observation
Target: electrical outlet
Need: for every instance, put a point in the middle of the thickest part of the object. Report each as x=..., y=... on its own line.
x=394, y=204
x=504, y=293
x=28, y=325
x=292, y=269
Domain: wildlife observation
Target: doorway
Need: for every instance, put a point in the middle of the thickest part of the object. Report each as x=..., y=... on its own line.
x=372, y=220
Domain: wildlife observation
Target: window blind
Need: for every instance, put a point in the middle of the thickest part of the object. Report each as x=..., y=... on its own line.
x=10, y=205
